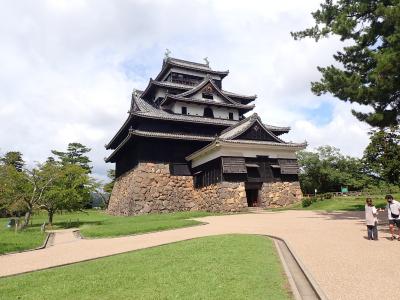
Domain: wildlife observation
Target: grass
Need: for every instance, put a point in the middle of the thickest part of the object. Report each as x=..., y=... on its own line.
x=218, y=267
x=344, y=203
x=27, y=239
x=92, y=224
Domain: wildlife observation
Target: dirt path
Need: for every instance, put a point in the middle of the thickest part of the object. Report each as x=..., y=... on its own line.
x=332, y=246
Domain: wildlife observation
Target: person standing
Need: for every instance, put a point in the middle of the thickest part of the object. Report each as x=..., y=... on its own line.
x=393, y=208
x=371, y=220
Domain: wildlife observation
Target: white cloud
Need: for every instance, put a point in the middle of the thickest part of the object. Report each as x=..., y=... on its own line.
x=68, y=67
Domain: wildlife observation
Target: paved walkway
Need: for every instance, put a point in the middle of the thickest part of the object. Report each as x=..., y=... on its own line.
x=332, y=246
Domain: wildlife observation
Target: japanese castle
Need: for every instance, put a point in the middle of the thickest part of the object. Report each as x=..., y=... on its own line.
x=188, y=144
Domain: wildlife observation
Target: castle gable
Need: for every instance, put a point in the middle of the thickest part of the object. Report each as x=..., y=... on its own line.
x=250, y=128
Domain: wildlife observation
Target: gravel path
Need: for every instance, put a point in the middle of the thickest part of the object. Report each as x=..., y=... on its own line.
x=332, y=246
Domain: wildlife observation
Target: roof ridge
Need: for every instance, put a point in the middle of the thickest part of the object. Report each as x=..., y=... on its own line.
x=240, y=95
x=153, y=112
x=236, y=125
x=188, y=61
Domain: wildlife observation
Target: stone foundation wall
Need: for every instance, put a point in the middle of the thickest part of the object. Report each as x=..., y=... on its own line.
x=151, y=188
x=280, y=194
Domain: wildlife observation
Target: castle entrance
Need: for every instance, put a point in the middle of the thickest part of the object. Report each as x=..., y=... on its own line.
x=252, y=193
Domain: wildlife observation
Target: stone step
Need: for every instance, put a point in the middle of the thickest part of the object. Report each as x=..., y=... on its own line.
x=255, y=209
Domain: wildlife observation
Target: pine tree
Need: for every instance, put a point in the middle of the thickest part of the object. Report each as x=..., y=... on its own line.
x=75, y=155
x=370, y=66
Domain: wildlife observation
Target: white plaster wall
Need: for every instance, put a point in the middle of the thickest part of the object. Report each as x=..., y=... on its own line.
x=160, y=93
x=216, y=97
x=198, y=110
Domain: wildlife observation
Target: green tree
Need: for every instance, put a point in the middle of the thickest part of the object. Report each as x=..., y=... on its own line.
x=13, y=158
x=75, y=155
x=369, y=68
x=109, y=186
x=327, y=170
x=382, y=155
x=24, y=189
x=70, y=190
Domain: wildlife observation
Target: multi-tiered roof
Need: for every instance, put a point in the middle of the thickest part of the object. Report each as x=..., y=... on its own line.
x=186, y=102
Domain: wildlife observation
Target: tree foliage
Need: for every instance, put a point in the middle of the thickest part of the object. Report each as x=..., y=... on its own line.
x=62, y=184
x=382, y=155
x=24, y=189
x=13, y=158
x=327, y=170
x=75, y=154
x=370, y=66
x=70, y=190
x=109, y=186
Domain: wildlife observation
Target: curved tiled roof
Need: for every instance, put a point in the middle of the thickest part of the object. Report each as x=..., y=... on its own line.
x=169, y=135
x=170, y=62
x=162, y=135
x=187, y=88
x=218, y=141
x=187, y=63
x=149, y=111
x=244, y=124
x=236, y=95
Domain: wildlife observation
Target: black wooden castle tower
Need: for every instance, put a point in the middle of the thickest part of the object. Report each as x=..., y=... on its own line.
x=184, y=118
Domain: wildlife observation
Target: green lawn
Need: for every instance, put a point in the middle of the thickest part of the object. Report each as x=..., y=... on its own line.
x=344, y=203
x=27, y=239
x=218, y=267
x=93, y=224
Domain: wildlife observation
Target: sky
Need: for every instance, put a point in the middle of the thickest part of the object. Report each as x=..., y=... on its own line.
x=68, y=68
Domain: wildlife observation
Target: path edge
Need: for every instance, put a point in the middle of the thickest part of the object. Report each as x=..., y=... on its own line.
x=46, y=242
x=293, y=286
x=317, y=289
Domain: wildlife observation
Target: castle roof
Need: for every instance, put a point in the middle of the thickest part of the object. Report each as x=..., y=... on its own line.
x=153, y=84
x=243, y=125
x=159, y=107
x=144, y=109
x=170, y=62
x=157, y=134
x=231, y=135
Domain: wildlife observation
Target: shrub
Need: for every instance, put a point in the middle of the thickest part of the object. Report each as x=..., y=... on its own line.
x=306, y=202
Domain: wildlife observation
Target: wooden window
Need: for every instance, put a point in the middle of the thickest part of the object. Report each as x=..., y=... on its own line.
x=208, y=96
x=208, y=112
x=233, y=165
x=184, y=110
x=230, y=116
x=288, y=166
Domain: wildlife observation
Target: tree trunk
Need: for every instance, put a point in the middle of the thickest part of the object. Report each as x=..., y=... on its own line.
x=50, y=214
x=28, y=215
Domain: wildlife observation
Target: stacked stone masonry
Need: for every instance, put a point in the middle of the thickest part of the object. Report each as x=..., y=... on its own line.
x=149, y=188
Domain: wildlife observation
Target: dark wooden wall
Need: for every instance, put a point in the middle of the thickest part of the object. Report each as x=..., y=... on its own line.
x=154, y=150
x=212, y=172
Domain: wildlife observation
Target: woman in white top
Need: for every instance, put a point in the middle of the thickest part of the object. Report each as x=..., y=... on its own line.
x=393, y=209
x=371, y=220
